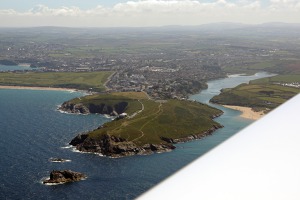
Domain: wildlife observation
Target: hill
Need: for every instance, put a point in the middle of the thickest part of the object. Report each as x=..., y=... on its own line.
x=150, y=126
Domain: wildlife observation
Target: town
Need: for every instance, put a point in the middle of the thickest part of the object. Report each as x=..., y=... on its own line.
x=165, y=63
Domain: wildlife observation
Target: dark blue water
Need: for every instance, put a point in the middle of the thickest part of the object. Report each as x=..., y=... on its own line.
x=32, y=131
x=14, y=67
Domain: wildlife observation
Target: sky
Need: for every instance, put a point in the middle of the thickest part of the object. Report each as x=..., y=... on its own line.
x=144, y=13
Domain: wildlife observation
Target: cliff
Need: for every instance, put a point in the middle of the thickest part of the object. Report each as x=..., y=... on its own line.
x=113, y=146
x=150, y=126
x=88, y=108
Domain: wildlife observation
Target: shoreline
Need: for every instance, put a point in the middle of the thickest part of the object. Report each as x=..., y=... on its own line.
x=37, y=88
x=247, y=112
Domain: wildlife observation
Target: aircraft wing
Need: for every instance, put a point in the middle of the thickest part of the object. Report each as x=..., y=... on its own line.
x=260, y=162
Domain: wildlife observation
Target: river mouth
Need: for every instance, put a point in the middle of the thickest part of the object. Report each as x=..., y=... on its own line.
x=230, y=119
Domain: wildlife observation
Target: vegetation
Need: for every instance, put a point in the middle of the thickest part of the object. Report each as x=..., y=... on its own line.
x=273, y=66
x=265, y=93
x=148, y=121
x=287, y=78
x=261, y=94
x=84, y=81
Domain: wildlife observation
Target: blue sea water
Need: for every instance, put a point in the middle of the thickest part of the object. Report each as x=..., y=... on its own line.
x=32, y=131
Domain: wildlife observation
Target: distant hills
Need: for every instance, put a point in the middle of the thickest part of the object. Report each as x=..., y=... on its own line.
x=224, y=26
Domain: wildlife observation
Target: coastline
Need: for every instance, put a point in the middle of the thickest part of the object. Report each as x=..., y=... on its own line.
x=36, y=88
x=247, y=112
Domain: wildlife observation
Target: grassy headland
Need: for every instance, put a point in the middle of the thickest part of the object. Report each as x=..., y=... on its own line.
x=76, y=80
x=267, y=93
x=261, y=94
x=173, y=119
x=149, y=121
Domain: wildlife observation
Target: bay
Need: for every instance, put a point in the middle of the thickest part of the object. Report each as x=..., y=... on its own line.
x=32, y=131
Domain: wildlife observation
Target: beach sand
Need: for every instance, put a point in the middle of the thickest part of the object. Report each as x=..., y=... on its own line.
x=246, y=112
x=36, y=88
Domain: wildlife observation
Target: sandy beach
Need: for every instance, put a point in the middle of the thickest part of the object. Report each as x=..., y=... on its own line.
x=36, y=88
x=246, y=112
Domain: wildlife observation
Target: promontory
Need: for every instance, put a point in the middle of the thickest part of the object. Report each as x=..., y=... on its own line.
x=141, y=125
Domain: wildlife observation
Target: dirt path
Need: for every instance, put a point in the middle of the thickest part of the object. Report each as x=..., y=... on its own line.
x=108, y=79
x=156, y=115
x=137, y=112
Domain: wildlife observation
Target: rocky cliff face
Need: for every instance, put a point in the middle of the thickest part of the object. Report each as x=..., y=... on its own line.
x=116, y=147
x=74, y=108
x=193, y=136
x=113, y=146
x=81, y=108
x=58, y=177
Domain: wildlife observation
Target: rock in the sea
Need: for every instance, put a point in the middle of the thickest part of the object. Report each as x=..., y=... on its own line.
x=65, y=176
x=59, y=160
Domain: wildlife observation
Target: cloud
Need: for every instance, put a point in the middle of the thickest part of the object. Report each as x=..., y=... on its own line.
x=157, y=13
x=285, y=4
x=41, y=10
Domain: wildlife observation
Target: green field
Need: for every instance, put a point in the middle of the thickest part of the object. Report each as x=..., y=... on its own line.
x=278, y=79
x=265, y=93
x=261, y=94
x=274, y=66
x=76, y=80
x=153, y=120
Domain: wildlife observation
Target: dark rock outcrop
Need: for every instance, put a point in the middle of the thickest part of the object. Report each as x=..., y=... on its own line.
x=74, y=108
x=113, y=146
x=59, y=160
x=102, y=108
x=78, y=139
x=65, y=176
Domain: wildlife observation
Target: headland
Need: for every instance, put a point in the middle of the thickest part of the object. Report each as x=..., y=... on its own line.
x=141, y=126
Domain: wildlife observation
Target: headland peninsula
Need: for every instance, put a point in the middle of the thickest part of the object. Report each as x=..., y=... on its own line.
x=141, y=125
x=259, y=96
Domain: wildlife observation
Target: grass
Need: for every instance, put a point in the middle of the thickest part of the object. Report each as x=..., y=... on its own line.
x=132, y=95
x=250, y=69
x=112, y=99
x=261, y=93
x=76, y=80
x=172, y=119
x=286, y=67
x=288, y=78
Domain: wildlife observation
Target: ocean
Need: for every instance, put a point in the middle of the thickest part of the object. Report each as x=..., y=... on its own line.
x=34, y=131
